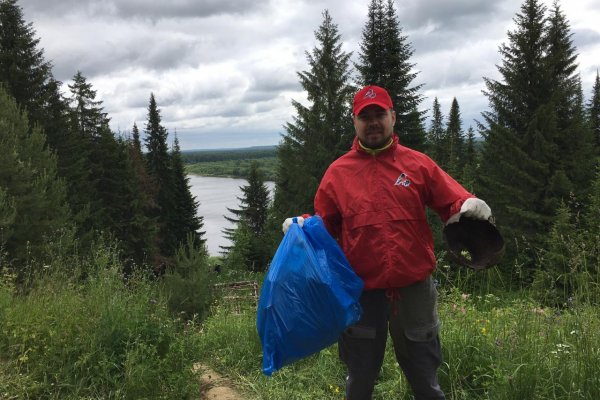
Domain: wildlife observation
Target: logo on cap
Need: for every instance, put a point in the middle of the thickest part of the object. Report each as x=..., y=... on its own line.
x=370, y=94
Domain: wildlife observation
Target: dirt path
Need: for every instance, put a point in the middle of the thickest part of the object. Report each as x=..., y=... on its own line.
x=215, y=387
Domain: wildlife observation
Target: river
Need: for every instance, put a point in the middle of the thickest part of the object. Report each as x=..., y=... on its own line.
x=215, y=195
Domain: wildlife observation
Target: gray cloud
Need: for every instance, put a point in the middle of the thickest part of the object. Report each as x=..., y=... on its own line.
x=451, y=15
x=223, y=66
x=154, y=10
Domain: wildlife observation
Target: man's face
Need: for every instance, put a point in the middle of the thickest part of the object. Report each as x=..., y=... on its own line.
x=374, y=126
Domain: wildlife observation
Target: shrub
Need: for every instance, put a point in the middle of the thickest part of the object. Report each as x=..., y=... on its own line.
x=188, y=285
x=99, y=338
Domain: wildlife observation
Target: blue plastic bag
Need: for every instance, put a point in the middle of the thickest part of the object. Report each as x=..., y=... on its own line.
x=309, y=296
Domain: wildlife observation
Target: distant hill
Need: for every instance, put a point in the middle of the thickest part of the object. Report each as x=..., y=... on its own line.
x=231, y=162
x=211, y=155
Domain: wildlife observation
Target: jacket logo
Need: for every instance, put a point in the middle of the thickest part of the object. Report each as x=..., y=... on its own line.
x=370, y=94
x=402, y=180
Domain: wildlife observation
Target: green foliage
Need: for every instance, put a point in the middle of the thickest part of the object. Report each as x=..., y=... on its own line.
x=569, y=270
x=321, y=131
x=495, y=347
x=188, y=282
x=247, y=153
x=185, y=220
x=250, y=240
x=32, y=197
x=593, y=113
x=100, y=338
x=176, y=209
x=537, y=149
x=435, y=135
x=235, y=168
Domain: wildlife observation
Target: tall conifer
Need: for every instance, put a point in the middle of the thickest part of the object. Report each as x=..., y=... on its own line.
x=518, y=148
x=593, y=113
x=527, y=166
x=321, y=130
x=186, y=220
x=454, y=140
x=33, y=207
x=574, y=139
x=250, y=241
x=435, y=135
x=27, y=76
x=384, y=60
x=160, y=169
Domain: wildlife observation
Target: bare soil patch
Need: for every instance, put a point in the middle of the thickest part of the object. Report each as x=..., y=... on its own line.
x=214, y=386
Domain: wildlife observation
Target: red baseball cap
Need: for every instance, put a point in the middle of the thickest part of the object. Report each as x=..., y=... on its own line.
x=371, y=95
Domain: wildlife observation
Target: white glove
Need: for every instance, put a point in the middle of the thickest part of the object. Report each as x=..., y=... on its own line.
x=289, y=221
x=474, y=208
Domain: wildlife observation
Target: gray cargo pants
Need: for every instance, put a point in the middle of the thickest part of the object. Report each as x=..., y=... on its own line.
x=410, y=315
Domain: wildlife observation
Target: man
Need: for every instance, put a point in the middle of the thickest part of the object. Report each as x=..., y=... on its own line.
x=372, y=200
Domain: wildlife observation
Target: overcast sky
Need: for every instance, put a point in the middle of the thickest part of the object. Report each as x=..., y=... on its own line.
x=224, y=71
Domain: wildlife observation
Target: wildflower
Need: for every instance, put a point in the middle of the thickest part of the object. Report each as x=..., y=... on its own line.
x=483, y=330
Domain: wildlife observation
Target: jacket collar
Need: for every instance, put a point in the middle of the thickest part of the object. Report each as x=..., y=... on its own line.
x=356, y=145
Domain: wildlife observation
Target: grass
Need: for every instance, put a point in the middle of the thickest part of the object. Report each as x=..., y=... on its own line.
x=495, y=347
x=105, y=338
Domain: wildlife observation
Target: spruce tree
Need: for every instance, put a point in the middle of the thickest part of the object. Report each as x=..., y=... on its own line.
x=454, y=140
x=145, y=246
x=89, y=124
x=88, y=116
x=519, y=131
x=322, y=130
x=537, y=149
x=23, y=70
x=160, y=169
x=384, y=60
x=33, y=207
x=574, y=139
x=27, y=76
x=186, y=220
x=470, y=162
x=250, y=244
x=593, y=113
x=435, y=135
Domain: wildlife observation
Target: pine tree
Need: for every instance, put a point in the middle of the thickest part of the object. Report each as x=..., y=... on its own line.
x=470, y=160
x=23, y=70
x=27, y=76
x=537, y=149
x=574, y=139
x=454, y=140
x=519, y=130
x=145, y=245
x=89, y=123
x=384, y=60
x=593, y=113
x=88, y=116
x=186, y=220
x=321, y=131
x=250, y=244
x=33, y=205
x=160, y=169
x=436, y=132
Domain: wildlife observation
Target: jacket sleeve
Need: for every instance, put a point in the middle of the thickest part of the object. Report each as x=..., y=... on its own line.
x=326, y=207
x=445, y=195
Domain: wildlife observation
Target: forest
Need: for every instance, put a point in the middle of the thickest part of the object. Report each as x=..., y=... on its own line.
x=106, y=286
x=233, y=163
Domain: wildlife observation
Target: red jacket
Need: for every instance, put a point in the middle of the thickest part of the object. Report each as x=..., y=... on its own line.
x=375, y=206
